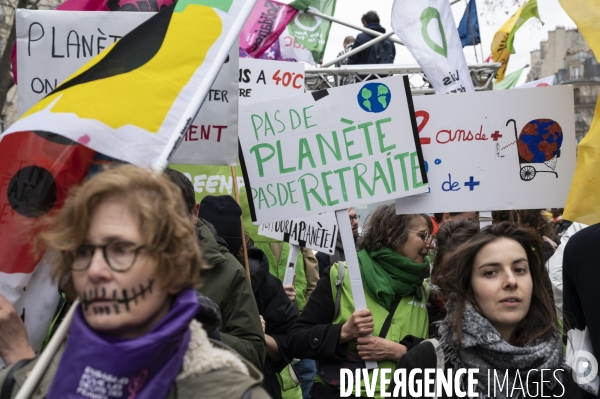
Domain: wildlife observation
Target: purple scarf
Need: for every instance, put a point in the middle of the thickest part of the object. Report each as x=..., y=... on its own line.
x=102, y=366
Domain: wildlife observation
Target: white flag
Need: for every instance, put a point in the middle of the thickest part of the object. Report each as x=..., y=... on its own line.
x=547, y=81
x=428, y=30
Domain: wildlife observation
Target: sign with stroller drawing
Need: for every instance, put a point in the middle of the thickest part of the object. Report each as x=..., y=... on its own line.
x=512, y=149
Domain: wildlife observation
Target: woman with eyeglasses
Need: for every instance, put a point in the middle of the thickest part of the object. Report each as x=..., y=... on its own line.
x=124, y=243
x=393, y=269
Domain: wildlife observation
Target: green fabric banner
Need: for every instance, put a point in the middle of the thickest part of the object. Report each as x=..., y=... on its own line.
x=310, y=31
x=529, y=11
x=509, y=80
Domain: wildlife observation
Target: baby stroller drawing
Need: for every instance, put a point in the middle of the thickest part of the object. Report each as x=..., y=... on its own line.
x=539, y=143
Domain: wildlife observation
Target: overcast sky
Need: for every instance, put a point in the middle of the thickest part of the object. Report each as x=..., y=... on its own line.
x=527, y=38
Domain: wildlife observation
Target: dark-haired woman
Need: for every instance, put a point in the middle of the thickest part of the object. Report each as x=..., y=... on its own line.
x=501, y=320
x=393, y=269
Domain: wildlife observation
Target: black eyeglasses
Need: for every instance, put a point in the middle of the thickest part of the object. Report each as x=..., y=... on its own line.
x=119, y=255
x=424, y=235
x=355, y=217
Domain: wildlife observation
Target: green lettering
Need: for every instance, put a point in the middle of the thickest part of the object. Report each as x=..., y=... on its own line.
x=414, y=166
x=280, y=122
x=350, y=143
x=304, y=152
x=292, y=119
x=260, y=160
x=312, y=191
x=283, y=169
x=402, y=157
x=379, y=175
x=279, y=185
x=340, y=173
x=261, y=198
x=337, y=153
x=291, y=193
x=306, y=118
x=381, y=135
x=268, y=125
x=269, y=186
x=365, y=127
x=327, y=188
x=359, y=180
x=392, y=174
x=254, y=124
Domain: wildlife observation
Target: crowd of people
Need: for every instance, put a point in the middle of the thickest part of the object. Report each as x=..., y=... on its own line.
x=166, y=307
x=169, y=298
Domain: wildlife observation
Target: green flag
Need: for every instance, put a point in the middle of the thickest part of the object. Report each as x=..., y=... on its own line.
x=529, y=11
x=509, y=81
x=310, y=33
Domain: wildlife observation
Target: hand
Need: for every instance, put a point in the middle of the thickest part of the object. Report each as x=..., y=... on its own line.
x=14, y=345
x=290, y=291
x=263, y=322
x=377, y=349
x=360, y=324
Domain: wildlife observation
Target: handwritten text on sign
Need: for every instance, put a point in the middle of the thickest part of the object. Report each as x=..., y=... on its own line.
x=510, y=151
x=262, y=80
x=330, y=150
x=317, y=232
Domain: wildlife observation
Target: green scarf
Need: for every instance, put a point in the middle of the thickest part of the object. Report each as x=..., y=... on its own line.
x=387, y=274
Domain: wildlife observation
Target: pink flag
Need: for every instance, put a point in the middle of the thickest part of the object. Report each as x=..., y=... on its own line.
x=266, y=22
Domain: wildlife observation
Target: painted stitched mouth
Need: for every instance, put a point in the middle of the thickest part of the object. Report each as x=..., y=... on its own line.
x=100, y=302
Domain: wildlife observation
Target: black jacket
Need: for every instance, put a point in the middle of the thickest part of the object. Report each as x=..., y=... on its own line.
x=363, y=56
x=277, y=310
x=423, y=356
x=580, y=285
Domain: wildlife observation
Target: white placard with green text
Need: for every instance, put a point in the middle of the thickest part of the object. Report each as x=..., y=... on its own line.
x=331, y=149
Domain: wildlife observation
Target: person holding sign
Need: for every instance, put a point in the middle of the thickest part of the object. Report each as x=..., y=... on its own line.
x=393, y=268
x=501, y=325
x=124, y=242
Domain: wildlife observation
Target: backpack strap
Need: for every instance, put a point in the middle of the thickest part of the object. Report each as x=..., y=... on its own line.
x=9, y=381
x=388, y=320
x=339, y=284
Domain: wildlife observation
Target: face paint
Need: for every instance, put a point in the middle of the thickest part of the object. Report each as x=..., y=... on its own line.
x=126, y=304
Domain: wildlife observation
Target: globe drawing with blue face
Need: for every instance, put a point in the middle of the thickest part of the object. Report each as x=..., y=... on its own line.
x=374, y=97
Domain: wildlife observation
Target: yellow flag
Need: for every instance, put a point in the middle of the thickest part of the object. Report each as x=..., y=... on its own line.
x=583, y=203
x=499, y=51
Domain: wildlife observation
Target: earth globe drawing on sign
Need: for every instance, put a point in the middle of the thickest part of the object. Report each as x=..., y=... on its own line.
x=374, y=97
x=539, y=142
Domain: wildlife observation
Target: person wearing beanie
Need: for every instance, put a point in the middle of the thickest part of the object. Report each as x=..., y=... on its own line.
x=225, y=214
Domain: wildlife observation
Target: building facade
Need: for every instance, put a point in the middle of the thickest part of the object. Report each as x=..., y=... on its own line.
x=567, y=56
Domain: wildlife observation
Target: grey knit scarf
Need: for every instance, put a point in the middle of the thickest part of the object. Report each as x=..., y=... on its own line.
x=484, y=348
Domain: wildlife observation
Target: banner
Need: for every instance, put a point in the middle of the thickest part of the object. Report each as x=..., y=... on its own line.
x=583, y=205
x=543, y=82
x=510, y=80
x=428, y=30
x=317, y=232
x=514, y=149
x=264, y=25
x=55, y=44
x=120, y=103
x=132, y=71
x=305, y=36
x=330, y=149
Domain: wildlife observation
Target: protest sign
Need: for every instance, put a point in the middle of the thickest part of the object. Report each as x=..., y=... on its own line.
x=54, y=44
x=262, y=80
x=330, y=150
x=512, y=149
x=259, y=80
x=428, y=30
x=318, y=232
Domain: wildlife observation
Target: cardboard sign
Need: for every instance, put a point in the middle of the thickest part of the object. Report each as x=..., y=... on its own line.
x=318, y=232
x=496, y=150
x=263, y=80
x=52, y=45
x=331, y=149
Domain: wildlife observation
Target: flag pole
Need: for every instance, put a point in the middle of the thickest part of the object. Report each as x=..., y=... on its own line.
x=244, y=248
x=471, y=30
x=46, y=356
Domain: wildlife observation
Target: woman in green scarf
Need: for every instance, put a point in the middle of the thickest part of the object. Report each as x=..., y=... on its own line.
x=393, y=269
